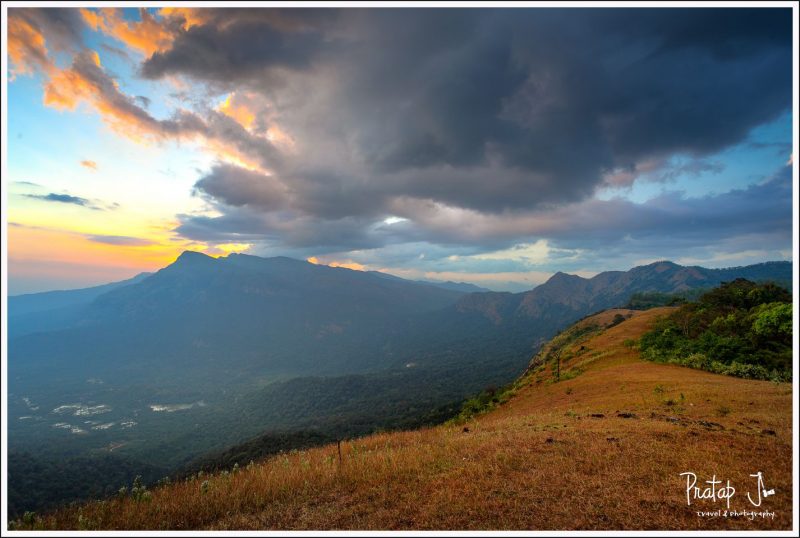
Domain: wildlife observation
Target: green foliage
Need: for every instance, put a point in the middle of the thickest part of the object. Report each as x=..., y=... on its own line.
x=41, y=484
x=618, y=318
x=489, y=399
x=572, y=373
x=139, y=490
x=773, y=321
x=651, y=299
x=555, y=350
x=740, y=329
x=483, y=402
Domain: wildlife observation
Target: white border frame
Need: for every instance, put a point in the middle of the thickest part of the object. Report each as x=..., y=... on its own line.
x=391, y=4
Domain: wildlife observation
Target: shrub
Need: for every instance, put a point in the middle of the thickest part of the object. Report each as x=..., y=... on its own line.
x=748, y=371
x=618, y=318
x=698, y=361
x=139, y=490
x=740, y=329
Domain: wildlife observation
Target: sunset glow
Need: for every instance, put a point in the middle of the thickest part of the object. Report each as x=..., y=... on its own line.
x=131, y=139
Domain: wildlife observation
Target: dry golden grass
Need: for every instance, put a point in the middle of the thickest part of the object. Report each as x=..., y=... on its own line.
x=541, y=461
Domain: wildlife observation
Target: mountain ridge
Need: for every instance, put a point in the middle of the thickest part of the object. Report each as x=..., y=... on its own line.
x=606, y=289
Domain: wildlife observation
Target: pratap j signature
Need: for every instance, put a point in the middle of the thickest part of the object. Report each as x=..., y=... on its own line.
x=716, y=491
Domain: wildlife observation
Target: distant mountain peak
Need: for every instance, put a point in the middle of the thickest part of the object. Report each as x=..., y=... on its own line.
x=189, y=258
x=560, y=276
x=661, y=265
x=243, y=256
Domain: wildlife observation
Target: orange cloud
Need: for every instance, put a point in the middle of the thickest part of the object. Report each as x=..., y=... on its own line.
x=225, y=132
x=238, y=112
x=27, y=50
x=229, y=153
x=66, y=89
x=252, y=112
x=93, y=19
x=347, y=264
x=86, y=82
x=147, y=35
x=91, y=165
x=191, y=16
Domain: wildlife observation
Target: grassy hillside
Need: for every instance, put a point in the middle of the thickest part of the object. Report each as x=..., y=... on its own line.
x=182, y=367
x=600, y=448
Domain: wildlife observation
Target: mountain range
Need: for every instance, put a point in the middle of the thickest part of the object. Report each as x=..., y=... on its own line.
x=209, y=352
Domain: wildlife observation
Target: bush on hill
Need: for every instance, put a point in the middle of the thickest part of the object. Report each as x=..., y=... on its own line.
x=741, y=329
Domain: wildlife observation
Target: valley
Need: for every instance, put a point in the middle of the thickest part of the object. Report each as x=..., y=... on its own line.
x=603, y=448
x=170, y=370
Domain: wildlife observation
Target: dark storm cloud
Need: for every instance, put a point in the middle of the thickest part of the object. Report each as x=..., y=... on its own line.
x=671, y=221
x=239, y=187
x=489, y=126
x=288, y=229
x=237, y=44
x=237, y=226
x=499, y=109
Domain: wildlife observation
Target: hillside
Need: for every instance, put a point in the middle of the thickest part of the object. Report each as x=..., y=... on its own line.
x=173, y=368
x=602, y=448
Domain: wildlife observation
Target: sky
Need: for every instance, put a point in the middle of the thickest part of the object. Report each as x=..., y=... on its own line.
x=491, y=146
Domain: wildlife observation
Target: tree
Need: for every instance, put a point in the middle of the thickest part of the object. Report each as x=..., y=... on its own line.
x=773, y=321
